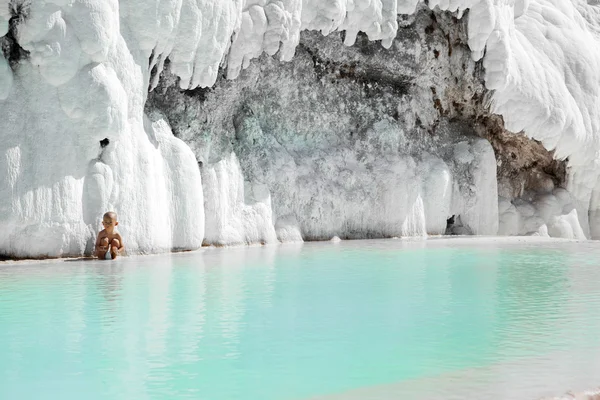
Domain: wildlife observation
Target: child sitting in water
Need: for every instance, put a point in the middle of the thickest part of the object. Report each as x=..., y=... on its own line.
x=109, y=243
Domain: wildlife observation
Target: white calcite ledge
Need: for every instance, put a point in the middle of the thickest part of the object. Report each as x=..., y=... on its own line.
x=86, y=78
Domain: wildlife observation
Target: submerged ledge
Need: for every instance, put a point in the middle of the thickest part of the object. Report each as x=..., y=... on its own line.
x=501, y=380
x=593, y=394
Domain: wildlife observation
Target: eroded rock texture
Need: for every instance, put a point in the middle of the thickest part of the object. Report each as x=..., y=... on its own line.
x=355, y=141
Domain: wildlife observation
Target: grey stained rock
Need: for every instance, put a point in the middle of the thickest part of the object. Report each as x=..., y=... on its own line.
x=419, y=98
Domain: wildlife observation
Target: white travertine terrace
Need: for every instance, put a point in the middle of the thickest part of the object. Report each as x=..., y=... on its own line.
x=89, y=69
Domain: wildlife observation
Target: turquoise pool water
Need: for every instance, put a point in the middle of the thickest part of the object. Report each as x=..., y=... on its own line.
x=356, y=320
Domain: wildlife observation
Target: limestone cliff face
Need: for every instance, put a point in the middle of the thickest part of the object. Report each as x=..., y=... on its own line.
x=294, y=124
x=355, y=141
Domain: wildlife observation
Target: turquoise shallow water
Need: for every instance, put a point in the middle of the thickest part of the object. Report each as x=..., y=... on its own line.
x=362, y=319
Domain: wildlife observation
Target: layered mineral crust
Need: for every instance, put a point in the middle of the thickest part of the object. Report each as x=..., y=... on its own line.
x=353, y=142
x=256, y=121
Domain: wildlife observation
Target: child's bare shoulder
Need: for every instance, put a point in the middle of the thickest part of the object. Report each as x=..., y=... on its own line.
x=102, y=233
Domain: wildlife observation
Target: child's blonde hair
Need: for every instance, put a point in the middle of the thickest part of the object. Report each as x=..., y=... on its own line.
x=110, y=214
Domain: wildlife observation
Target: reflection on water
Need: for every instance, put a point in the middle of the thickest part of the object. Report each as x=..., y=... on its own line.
x=364, y=319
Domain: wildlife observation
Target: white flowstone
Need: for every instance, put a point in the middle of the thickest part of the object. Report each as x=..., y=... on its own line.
x=373, y=191
x=235, y=213
x=81, y=84
x=543, y=214
x=89, y=69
